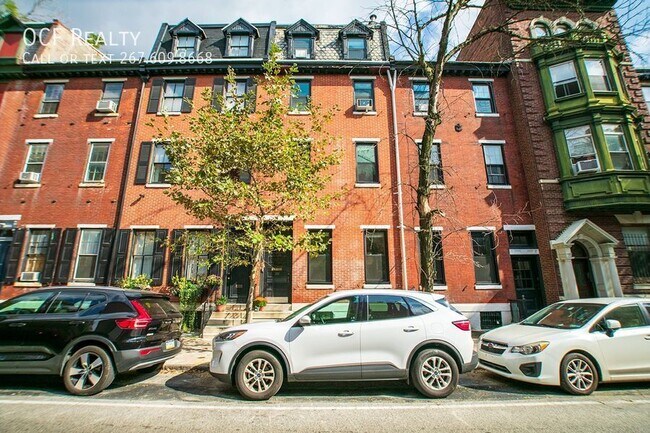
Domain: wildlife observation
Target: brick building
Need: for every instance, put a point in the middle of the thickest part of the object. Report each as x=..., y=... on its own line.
x=83, y=201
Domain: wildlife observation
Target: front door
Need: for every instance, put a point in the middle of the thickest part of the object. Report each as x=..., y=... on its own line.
x=237, y=284
x=582, y=271
x=276, y=279
x=528, y=283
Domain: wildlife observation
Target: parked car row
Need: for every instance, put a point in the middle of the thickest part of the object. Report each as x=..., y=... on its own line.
x=88, y=335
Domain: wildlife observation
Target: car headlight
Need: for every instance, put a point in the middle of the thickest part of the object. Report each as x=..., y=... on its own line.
x=530, y=349
x=229, y=336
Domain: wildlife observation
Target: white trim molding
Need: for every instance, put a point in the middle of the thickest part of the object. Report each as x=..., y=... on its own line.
x=434, y=141
x=433, y=228
x=542, y=181
x=367, y=185
x=363, y=77
x=198, y=226
x=418, y=79
x=375, y=227
x=487, y=115
x=144, y=227
x=499, y=186
x=92, y=226
x=366, y=140
x=100, y=140
x=635, y=218
x=56, y=81
x=40, y=226
x=319, y=286
x=10, y=217
x=492, y=142
x=319, y=227
x=39, y=141
x=378, y=286
x=303, y=77
x=481, y=229
x=114, y=80
x=488, y=286
x=439, y=288
x=510, y=227
x=481, y=80
x=523, y=251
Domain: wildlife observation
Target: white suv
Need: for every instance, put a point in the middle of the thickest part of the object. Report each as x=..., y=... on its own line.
x=347, y=336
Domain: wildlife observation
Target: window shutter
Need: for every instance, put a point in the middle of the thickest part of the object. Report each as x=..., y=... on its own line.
x=50, y=258
x=313, y=47
x=175, y=256
x=188, y=95
x=103, y=261
x=158, y=257
x=142, y=168
x=215, y=268
x=250, y=45
x=290, y=47
x=251, y=87
x=13, y=256
x=154, y=96
x=217, y=90
x=65, y=256
x=345, y=47
x=122, y=246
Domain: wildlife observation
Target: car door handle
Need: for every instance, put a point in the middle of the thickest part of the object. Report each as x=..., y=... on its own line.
x=17, y=325
x=647, y=337
x=411, y=329
x=345, y=333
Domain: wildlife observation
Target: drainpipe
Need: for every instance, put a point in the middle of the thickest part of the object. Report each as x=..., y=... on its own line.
x=392, y=82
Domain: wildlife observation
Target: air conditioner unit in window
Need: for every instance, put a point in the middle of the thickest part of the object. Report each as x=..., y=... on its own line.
x=422, y=108
x=29, y=177
x=30, y=276
x=364, y=104
x=106, y=106
x=587, y=166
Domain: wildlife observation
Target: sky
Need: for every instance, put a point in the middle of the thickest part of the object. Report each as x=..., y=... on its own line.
x=134, y=24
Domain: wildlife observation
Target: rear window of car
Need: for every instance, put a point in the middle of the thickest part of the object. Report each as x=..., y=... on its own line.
x=444, y=302
x=157, y=307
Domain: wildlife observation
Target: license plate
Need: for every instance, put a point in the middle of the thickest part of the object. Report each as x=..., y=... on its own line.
x=170, y=344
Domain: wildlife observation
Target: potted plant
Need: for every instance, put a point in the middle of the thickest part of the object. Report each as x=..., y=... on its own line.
x=259, y=303
x=221, y=302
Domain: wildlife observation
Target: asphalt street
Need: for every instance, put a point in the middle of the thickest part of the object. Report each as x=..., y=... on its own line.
x=192, y=401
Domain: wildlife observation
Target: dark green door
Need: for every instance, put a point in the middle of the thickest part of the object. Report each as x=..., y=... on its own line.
x=238, y=283
x=528, y=283
x=277, y=275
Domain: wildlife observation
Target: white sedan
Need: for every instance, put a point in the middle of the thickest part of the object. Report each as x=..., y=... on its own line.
x=574, y=344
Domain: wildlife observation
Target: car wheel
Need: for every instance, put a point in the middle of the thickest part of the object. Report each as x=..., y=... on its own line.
x=88, y=371
x=259, y=375
x=434, y=373
x=578, y=375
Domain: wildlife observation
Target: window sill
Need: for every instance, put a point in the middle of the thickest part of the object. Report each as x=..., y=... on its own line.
x=499, y=187
x=645, y=287
x=171, y=113
x=419, y=114
x=27, y=185
x=158, y=185
x=487, y=115
x=488, y=286
x=439, y=288
x=378, y=286
x=92, y=185
x=106, y=114
x=320, y=286
x=367, y=185
x=81, y=284
x=438, y=186
x=299, y=113
x=364, y=113
x=45, y=116
x=27, y=284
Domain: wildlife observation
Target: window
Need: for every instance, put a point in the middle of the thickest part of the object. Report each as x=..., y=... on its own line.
x=96, y=169
x=301, y=95
x=617, y=147
x=235, y=92
x=196, y=257
x=522, y=239
x=435, y=164
x=565, y=80
x=540, y=30
x=438, y=260
x=142, y=256
x=367, y=170
x=185, y=46
x=30, y=303
x=66, y=303
x=36, y=158
x=344, y=310
x=319, y=266
x=387, y=307
x=51, y=99
x=239, y=46
x=173, y=96
x=301, y=48
x=630, y=316
x=160, y=164
x=561, y=28
x=36, y=252
x=490, y=319
x=376, y=256
x=597, y=73
x=646, y=94
x=637, y=243
x=356, y=48
x=485, y=264
x=483, y=98
x=581, y=150
x=421, y=97
x=89, y=243
x=112, y=92
x=363, y=94
x=417, y=308
x=495, y=166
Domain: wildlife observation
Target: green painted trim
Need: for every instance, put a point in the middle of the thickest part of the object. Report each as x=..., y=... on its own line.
x=620, y=191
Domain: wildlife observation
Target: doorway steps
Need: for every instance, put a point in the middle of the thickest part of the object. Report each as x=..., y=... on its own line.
x=235, y=314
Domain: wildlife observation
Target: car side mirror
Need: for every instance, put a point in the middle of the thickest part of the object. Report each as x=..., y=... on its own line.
x=611, y=326
x=304, y=320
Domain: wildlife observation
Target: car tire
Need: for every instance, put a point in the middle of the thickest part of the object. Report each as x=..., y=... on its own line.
x=89, y=371
x=434, y=373
x=258, y=375
x=578, y=374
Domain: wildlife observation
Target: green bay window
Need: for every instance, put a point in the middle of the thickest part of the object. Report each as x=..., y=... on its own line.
x=617, y=147
x=597, y=73
x=581, y=150
x=565, y=79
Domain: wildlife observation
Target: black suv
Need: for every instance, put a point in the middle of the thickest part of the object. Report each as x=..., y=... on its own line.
x=87, y=335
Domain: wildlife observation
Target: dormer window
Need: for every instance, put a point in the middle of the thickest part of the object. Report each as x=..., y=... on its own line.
x=540, y=30
x=355, y=37
x=239, y=46
x=302, y=48
x=186, y=37
x=561, y=28
x=356, y=48
x=301, y=39
x=186, y=46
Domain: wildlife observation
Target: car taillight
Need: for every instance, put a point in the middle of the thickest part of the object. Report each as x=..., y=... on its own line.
x=141, y=321
x=463, y=325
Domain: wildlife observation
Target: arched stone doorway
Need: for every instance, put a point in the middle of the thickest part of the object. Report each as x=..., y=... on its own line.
x=586, y=259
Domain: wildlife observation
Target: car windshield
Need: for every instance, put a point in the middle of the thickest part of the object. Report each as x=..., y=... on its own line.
x=297, y=312
x=565, y=315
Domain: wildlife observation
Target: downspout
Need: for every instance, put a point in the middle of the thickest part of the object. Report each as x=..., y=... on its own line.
x=125, y=173
x=392, y=82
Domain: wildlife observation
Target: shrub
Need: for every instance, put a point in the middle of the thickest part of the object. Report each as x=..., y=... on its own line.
x=141, y=282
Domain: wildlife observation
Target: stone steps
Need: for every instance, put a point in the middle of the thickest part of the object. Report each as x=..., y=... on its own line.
x=235, y=314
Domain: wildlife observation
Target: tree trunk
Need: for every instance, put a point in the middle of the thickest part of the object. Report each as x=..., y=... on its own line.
x=257, y=266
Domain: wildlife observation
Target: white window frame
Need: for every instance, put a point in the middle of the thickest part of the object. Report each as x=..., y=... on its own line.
x=161, y=109
x=150, y=180
x=562, y=82
x=625, y=145
x=593, y=146
x=92, y=144
x=99, y=248
x=249, y=45
x=177, y=48
x=32, y=143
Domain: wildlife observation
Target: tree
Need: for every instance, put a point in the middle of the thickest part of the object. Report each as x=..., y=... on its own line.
x=96, y=40
x=250, y=172
x=425, y=32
